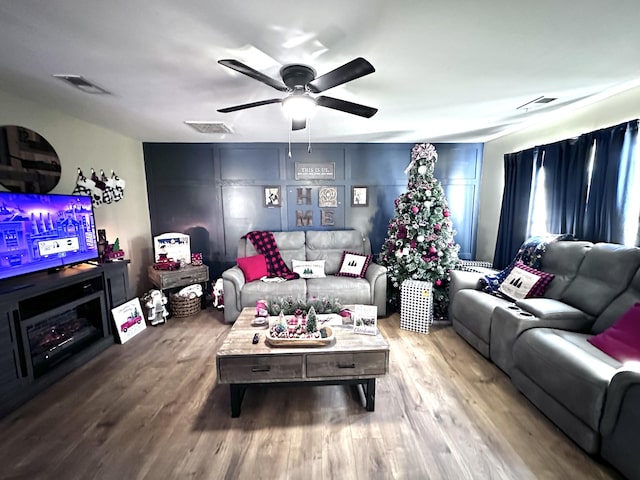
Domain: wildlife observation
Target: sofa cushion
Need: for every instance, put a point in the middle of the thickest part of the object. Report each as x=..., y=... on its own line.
x=353, y=265
x=253, y=267
x=606, y=271
x=329, y=245
x=525, y=282
x=620, y=304
x=254, y=291
x=347, y=290
x=563, y=259
x=290, y=244
x=309, y=269
x=568, y=368
x=621, y=340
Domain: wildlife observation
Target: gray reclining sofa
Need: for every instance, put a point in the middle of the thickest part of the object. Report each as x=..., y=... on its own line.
x=327, y=245
x=541, y=343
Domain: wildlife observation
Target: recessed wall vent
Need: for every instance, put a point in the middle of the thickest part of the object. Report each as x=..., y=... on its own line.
x=536, y=102
x=83, y=84
x=210, y=127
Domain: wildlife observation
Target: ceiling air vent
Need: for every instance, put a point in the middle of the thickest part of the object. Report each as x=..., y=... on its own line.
x=83, y=84
x=210, y=127
x=536, y=102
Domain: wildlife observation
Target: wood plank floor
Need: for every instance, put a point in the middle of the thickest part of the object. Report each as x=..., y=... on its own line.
x=151, y=409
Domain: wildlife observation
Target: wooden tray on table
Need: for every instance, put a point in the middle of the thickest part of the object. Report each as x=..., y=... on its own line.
x=300, y=342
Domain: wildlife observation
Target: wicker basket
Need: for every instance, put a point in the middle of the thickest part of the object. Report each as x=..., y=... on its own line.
x=184, y=306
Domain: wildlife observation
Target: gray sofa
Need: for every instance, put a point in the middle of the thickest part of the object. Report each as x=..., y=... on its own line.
x=541, y=343
x=327, y=245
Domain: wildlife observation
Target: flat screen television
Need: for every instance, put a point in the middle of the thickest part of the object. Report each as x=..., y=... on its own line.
x=44, y=232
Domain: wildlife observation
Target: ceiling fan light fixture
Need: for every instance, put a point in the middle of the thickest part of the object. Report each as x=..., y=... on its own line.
x=299, y=107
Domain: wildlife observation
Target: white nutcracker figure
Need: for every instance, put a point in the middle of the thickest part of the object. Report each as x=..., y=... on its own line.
x=155, y=302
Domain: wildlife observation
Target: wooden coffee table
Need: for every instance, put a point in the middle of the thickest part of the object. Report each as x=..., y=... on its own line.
x=350, y=359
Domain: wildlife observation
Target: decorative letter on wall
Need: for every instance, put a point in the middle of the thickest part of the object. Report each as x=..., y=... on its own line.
x=304, y=219
x=304, y=196
x=327, y=218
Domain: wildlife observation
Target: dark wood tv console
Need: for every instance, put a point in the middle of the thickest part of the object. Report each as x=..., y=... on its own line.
x=52, y=323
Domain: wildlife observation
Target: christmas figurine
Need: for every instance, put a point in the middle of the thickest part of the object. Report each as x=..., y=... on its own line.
x=155, y=302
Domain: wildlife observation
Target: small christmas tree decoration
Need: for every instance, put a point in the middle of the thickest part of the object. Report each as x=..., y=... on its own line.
x=311, y=320
x=419, y=243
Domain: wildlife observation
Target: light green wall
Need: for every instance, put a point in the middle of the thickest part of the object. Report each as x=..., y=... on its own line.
x=84, y=145
x=608, y=112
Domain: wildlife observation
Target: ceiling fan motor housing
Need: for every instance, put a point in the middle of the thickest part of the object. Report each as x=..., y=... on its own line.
x=297, y=75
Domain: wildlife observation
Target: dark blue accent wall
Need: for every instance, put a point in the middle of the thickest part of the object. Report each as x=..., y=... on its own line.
x=214, y=191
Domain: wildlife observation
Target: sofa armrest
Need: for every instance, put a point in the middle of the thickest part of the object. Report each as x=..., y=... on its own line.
x=375, y=271
x=552, y=310
x=232, y=283
x=625, y=378
x=461, y=279
x=376, y=275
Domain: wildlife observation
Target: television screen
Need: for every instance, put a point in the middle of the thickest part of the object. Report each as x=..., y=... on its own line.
x=44, y=231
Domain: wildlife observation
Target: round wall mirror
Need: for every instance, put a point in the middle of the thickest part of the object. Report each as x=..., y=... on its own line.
x=28, y=163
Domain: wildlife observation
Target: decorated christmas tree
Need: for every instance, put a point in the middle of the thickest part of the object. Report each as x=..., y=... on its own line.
x=419, y=243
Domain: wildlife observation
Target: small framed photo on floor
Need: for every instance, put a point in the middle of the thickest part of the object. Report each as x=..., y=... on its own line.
x=128, y=320
x=359, y=196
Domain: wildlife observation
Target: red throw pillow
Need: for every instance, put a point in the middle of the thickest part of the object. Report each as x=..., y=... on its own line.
x=622, y=339
x=254, y=268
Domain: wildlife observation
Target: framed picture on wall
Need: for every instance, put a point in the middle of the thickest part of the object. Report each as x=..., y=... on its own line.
x=359, y=196
x=271, y=196
x=328, y=197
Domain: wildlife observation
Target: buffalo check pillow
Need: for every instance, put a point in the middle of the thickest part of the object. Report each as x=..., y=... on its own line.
x=525, y=282
x=354, y=264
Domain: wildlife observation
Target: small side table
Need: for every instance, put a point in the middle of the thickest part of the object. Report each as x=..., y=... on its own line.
x=187, y=275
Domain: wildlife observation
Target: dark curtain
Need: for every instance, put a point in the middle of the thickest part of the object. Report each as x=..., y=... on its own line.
x=512, y=231
x=566, y=168
x=604, y=212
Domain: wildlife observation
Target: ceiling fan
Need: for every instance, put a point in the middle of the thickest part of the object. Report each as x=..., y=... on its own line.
x=299, y=82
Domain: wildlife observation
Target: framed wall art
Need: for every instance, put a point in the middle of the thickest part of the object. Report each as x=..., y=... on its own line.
x=328, y=197
x=359, y=196
x=271, y=196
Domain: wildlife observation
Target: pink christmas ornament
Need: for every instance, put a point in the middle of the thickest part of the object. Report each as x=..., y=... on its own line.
x=432, y=249
x=438, y=282
x=437, y=227
x=446, y=213
x=415, y=209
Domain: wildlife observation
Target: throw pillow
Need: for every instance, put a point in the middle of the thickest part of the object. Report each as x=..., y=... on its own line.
x=525, y=282
x=622, y=339
x=309, y=269
x=254, y=267
x=353, y=264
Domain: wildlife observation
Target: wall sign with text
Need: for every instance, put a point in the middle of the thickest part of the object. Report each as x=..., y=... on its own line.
x=315, y=171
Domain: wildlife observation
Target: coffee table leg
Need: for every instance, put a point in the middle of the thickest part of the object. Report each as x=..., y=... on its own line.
x=237, y=394
x=369, y=387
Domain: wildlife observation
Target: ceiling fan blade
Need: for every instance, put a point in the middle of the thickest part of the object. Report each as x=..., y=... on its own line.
x=250, y=72
x=344, y=106
x=349, y=71
x=298, y=124
x=249, y=105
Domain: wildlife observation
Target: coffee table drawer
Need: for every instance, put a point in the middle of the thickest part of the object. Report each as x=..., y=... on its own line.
x=346, y=364
x=269, y=368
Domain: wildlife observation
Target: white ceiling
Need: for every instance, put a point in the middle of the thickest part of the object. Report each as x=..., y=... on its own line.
x=445, y=70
